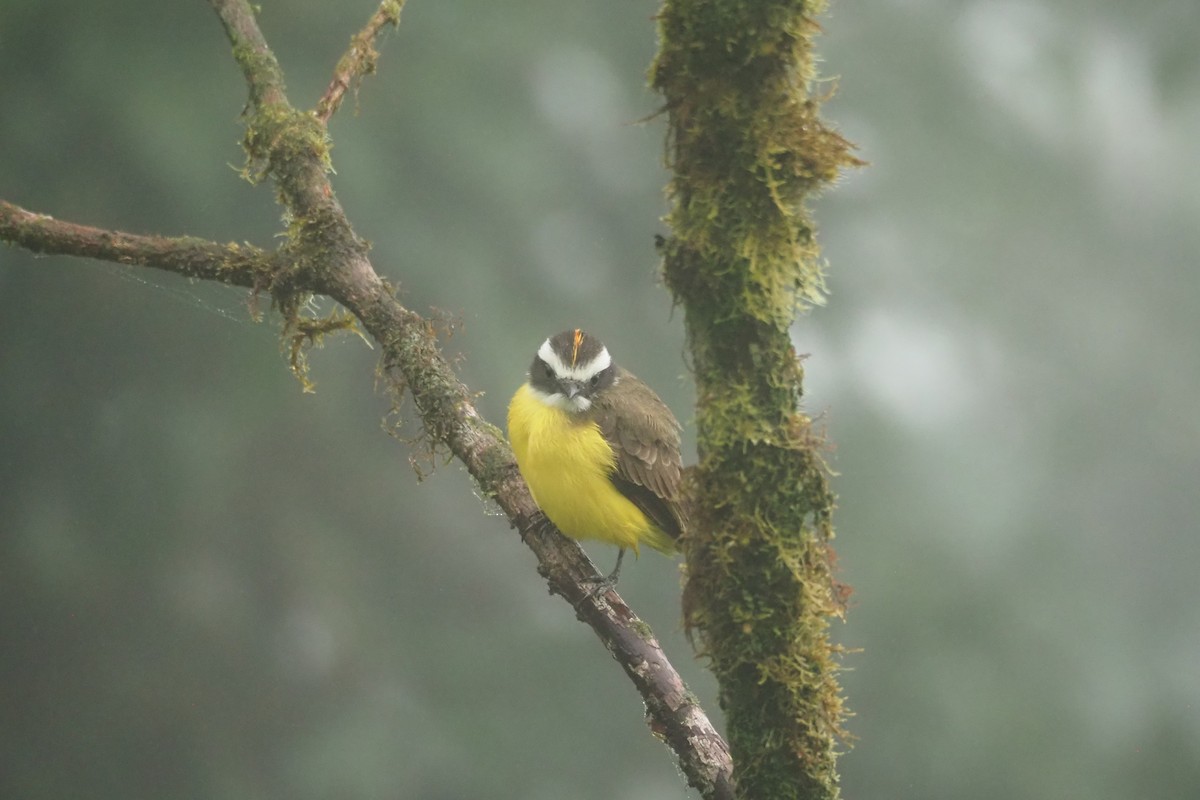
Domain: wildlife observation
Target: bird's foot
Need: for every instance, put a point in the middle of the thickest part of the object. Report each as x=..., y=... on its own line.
x=601, y=585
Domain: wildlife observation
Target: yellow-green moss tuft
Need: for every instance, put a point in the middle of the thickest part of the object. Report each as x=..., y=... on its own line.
x=301, y=334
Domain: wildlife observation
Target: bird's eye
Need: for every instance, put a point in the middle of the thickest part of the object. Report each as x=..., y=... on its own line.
x=595, y=381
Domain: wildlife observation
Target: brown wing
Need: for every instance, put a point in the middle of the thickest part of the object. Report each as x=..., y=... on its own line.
x=644, y=434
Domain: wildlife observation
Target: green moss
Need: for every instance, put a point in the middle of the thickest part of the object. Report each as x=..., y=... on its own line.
x=392, y=10
x=747, y=147
x=281, y=142
x=304, y=333
x=642, y=629
x=292, y=148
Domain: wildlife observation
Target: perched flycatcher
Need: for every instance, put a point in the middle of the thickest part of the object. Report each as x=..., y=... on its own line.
x=598, y=448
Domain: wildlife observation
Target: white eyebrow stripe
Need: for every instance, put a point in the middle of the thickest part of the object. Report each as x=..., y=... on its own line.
x=581, y=372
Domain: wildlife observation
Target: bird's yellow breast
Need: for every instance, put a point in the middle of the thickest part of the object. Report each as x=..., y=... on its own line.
x=566, y=461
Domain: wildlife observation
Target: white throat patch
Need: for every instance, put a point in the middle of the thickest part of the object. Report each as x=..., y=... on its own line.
x=579, y=372
x=572, y=405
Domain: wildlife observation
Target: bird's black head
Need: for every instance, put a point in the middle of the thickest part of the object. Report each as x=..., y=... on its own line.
x=570, y=369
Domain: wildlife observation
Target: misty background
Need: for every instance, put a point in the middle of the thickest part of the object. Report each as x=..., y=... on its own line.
x=213, y=585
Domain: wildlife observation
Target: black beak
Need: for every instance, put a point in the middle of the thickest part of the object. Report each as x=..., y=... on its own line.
x=571, y=389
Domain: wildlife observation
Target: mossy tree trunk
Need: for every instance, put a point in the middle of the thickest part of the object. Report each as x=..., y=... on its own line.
x=747, y=146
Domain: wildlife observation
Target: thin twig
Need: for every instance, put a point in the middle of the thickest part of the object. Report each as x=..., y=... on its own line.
x=359, y=60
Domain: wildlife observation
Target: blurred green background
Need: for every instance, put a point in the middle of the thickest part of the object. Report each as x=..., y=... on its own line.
x=214, y=585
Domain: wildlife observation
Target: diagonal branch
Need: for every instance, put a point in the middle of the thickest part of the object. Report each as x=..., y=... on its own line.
x=413, y=360
x=322, y=254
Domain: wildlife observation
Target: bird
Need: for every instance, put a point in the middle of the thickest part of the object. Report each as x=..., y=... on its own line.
x=598, y=449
